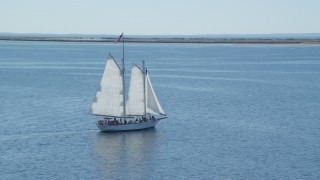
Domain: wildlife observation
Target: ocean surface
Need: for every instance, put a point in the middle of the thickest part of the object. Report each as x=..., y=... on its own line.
x=236, y=111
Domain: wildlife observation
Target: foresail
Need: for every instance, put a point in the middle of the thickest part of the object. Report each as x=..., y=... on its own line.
x=153, y=105
x=135, y=103
x=109, y=97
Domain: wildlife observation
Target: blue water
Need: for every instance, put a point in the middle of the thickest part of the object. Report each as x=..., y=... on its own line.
x=235, y=112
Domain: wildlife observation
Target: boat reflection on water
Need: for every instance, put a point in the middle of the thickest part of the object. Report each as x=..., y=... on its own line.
x=126, y=154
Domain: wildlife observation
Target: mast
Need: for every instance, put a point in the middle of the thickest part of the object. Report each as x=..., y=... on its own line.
x=144, y=90
x=123, y=83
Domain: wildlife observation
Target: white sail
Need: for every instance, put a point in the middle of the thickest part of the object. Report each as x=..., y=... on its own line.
x=135, y=104
x=109, y=97
x=153, y=105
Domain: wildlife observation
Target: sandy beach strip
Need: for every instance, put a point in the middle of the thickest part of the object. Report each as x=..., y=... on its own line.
x=168, y=40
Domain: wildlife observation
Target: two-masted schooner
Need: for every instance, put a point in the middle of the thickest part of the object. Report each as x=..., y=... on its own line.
x=141, y=110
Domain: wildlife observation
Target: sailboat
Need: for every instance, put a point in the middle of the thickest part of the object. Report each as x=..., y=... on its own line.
x=141, y=110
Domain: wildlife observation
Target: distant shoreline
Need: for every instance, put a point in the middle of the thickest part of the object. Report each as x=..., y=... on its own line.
x=169, y=40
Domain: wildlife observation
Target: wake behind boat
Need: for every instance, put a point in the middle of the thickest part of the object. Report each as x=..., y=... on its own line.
x=141, y=110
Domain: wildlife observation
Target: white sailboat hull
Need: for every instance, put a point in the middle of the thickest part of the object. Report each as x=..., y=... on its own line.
x=127, y=127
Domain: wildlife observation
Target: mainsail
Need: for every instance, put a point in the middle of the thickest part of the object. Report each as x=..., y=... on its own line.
x=135, y=103
x=139, y=97
x=109, y=97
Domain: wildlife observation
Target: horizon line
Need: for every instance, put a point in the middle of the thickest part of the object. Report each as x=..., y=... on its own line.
x=199, y=34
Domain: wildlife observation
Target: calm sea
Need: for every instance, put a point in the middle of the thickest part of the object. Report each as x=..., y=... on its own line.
x=236, y=111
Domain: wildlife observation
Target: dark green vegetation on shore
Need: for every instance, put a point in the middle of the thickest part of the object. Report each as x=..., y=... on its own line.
x=169, y=40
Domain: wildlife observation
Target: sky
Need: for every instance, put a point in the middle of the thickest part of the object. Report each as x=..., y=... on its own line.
x=160, y=17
